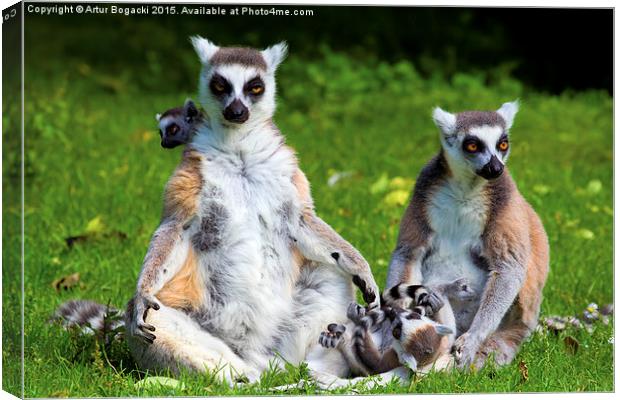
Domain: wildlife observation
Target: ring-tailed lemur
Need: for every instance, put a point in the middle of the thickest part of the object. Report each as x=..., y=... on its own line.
x=239, y=227
x=390, y=340
x=467, y=219
x=178, y=125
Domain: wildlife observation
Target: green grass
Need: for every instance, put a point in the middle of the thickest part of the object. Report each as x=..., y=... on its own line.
x=92, y=152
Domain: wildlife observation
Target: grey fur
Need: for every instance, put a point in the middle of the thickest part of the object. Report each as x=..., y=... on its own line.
x=469, y=119
x=239, y=55
x=212, y=225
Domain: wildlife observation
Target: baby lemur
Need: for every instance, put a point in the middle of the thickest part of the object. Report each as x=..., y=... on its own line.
x=239, y=227
x=415, y=340
x=178, y=125
x=467, y=219
x=392, y=341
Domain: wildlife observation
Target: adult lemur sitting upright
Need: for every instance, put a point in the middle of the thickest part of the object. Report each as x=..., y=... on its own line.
x=241, y=269
x=467, y=219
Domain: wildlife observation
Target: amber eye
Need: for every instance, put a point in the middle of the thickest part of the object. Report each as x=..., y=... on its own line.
x=257, y=90
x=471, y=147
x=218, y=87
x=172, y=129
x=503, y=146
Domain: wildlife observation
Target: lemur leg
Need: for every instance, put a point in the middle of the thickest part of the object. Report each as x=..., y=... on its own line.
x=317, y=241
x=182, y=343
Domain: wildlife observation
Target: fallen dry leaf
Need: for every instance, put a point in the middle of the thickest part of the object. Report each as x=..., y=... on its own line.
x=524, y=372
x=66, y=282
x=572, y=344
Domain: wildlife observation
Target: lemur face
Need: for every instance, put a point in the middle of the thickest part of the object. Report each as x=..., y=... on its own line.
x=477, y=141
x=237, y=85
x=418, y=335
x=177, y=125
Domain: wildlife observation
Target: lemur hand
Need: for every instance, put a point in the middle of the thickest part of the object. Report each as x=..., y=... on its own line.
x=465, y=348
x=332, y=336
x=369, y=288
x=431, y=302
x=139, y=328
x=355, y=312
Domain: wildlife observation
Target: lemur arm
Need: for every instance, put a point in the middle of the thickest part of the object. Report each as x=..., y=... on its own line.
x=169, y=245
x=319, y=242
x=414, y=237
x=413, y=241
x=163, y=259
x=506, y=278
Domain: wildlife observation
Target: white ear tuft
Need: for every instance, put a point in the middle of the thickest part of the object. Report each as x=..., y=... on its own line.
x=274, y=55
x=157, y=117
x=445, y=121
x=508, y=111
x=204, y=48
x=443, y=330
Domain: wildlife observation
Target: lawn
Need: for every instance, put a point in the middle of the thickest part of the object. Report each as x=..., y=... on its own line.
x=94, y=167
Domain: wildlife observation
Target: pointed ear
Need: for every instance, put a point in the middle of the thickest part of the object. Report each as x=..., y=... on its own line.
x=445, y=121
x=508, y=111
x=443, y=330
x=189, y=108
x=409, y=361
x=157, y=117
x=204, y=48
x=274, y=55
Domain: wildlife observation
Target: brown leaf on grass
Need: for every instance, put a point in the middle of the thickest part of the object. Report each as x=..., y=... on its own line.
x=73, y=240
x=525, y=375
x=67, y=282
x=571, y=344
x=60, y=393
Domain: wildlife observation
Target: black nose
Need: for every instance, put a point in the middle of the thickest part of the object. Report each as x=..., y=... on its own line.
x=493, y=169
x=236, y=112
x=170, y=143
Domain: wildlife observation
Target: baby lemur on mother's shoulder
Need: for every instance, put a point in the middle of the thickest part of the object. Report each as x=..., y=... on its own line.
x=178, y=125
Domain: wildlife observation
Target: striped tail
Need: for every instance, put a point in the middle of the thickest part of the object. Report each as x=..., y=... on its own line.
x=365, y=349
x=417, y=293
x=89, y=316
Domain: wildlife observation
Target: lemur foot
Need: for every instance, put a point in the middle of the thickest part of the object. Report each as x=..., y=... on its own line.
x=332, y=336
x=355, y=312
x=140, y=329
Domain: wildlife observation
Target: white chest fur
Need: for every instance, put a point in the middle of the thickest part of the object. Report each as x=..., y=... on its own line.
x=242, y=233
x=457, y=217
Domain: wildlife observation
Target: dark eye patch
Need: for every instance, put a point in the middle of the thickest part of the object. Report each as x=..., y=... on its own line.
x=254, y=84
x=219, y=85
x=470, y=139
x=503, y=138
x=172, y=129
